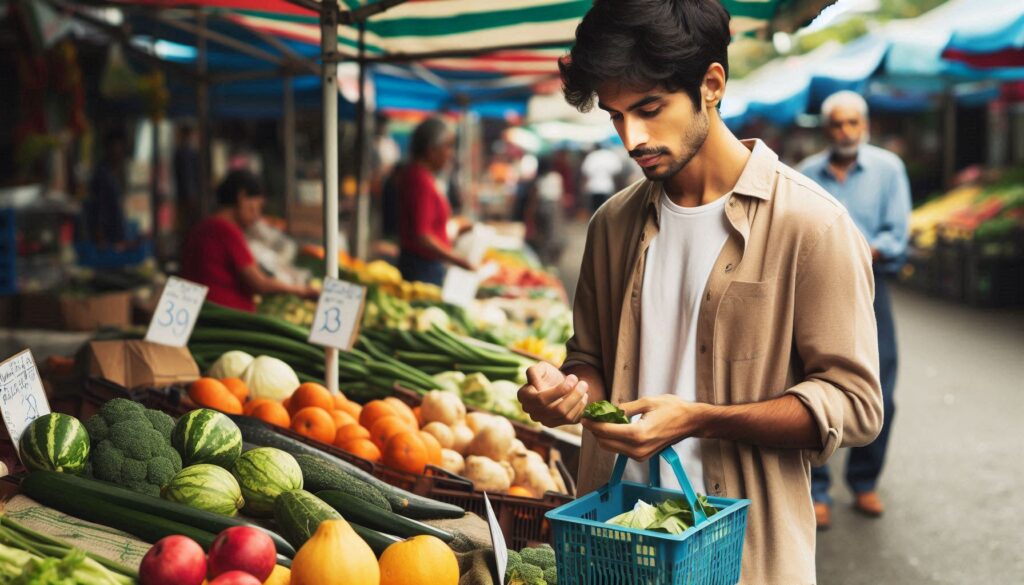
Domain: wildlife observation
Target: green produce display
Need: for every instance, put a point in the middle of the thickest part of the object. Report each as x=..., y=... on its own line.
x=355, y=510
x=131, y=446
x=604, y=411
x=299, y=513
x=55, y=442
x=30, y=558
x=207, y=436
x=206, y=487
x=264, y=474
x=319, y=475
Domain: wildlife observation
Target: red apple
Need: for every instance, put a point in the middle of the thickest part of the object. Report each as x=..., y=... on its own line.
x=174, y=560
x=242, y=548
x=236, y=578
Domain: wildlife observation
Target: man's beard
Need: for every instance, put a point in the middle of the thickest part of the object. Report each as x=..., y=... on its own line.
x=848, y=151
x=692, y=142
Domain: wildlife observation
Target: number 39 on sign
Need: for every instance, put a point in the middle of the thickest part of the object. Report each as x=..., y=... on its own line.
x=176, y=313
x=338, y=314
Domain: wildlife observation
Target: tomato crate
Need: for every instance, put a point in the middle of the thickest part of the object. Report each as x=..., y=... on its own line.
x=590, y=551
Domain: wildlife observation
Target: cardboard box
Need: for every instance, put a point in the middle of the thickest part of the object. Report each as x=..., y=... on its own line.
x=137, y=364
x=71, y=313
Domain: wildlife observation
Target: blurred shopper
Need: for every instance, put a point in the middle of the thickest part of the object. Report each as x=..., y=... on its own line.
x=217, y=255
x=725, y=301
x=872, y=183
x=543, y=213
x=186, y=178
x=600, y=168
x=424, y=211
x=104, y=210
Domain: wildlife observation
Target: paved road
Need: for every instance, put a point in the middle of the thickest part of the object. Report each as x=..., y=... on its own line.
x=954, y=482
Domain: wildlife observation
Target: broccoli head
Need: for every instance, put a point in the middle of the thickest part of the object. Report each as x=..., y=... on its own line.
x=542, y=556
x=132, y=448
x=551, y=575
x=526, y=574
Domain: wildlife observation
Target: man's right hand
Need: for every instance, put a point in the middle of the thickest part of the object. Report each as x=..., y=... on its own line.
x=551, y=398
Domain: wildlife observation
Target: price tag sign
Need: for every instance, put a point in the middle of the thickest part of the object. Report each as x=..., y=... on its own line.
x=338, y=314
x=176, y=313
x=460, y=286
x=498, y=541
x=22, y=399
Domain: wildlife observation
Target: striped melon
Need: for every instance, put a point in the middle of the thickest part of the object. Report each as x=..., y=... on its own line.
x=55, y=442
x=264, y=474
x=207, y=436
x=206, y=487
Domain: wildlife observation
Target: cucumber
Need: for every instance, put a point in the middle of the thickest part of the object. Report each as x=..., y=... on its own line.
x=378, y=542
x=50, y=486
x=269, y=341
x=319, y=475
x=356, y=510
x=219, y=316
x=299, y=513
x=402, y=502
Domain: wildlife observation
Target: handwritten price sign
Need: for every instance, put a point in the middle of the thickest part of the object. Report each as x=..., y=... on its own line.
x=22, y=399
x=176, y=313
x=338, y=314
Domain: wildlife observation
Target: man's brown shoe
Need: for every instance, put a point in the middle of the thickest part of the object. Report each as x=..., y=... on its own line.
x=823, y=515
x=869, y=504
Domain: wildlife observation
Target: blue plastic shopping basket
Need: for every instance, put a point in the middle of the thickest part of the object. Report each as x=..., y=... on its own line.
x=591, y=552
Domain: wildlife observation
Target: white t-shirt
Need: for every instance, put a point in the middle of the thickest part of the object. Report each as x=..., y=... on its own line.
x=679, y=262
x=599, y=170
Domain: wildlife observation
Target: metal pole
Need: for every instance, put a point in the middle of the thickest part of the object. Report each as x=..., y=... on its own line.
x=362, y=227
x=289, y=146
x=203, y=115
x=329, y=78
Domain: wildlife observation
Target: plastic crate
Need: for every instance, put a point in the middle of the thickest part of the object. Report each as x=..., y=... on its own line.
x=591, y=552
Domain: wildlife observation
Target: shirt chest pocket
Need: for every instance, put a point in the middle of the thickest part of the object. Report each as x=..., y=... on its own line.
x=743, y=328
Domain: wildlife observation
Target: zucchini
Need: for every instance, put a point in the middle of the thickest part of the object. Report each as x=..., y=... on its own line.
x=356, y=510
x=56, y=486
x=255, y=339
x=299, y=513
x=213, y=314
x=378, y=542
x=319, y=475
x=402, y=502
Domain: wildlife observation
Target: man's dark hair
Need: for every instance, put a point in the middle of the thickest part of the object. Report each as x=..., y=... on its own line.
x=643, y=44
x=428, y=134
x=232, y=186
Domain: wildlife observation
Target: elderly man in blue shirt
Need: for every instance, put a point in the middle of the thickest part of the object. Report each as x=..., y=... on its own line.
x=872, y=183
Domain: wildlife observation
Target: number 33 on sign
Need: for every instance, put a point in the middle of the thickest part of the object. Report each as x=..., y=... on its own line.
x=176, y=313
x=338, y=314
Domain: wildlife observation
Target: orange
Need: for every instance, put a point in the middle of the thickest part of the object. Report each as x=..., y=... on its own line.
x=314, y=423
x=250, y=406
x=386, y=427
x=213, y=394
x=352, y=408
x=362, y=448
x=518, y=490
x=420, y=559
x=350, y=432
x=433, y=448
x=273, y=413
x=373, y=410
x=339, y=400
x=402, y=410
x=341, y=418
x=236, y=387
x=312, y=394
x=405, y=451
x=287, y=403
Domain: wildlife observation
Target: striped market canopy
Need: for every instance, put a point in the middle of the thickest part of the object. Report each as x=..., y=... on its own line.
x=499, y=36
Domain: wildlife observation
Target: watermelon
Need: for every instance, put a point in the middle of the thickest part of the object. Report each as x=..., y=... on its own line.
x=55, y=442
x=207, y=436
x=264, y=474
x=206, y=487
x=299, y=513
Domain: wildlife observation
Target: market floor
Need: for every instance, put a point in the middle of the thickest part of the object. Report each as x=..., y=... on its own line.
x=954, y=474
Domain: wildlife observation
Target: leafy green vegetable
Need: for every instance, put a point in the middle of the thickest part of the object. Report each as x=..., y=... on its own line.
x=604, y=411
x=672, y=516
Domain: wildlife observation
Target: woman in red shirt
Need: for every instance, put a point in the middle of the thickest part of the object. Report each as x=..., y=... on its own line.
x=423, y=210
x=217, y=255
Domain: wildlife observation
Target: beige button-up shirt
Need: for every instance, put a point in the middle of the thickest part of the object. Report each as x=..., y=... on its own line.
x=787, y=310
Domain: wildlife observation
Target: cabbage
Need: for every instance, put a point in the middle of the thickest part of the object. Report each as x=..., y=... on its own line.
x=269, y=377
x=230, y=365
x=450, y=381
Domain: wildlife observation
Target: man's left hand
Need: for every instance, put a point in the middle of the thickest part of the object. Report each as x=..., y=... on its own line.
x=666, y=420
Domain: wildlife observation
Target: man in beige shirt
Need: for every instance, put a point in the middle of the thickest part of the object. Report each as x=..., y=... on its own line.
x=786, y=357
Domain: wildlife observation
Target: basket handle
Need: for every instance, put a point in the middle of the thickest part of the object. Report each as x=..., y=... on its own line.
x=654, y=478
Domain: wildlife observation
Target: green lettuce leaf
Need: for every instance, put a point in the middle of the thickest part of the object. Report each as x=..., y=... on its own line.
x=604, y=411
